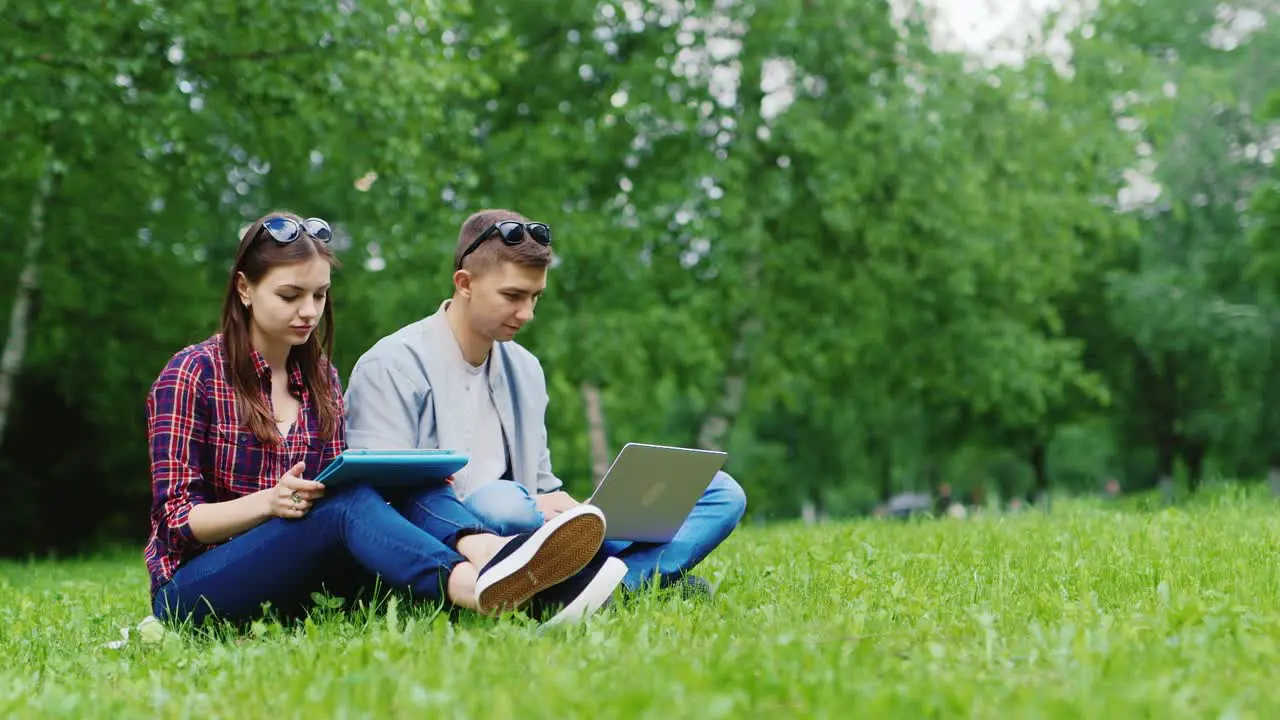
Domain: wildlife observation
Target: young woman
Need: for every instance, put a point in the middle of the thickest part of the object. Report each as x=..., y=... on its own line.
x=237, y=423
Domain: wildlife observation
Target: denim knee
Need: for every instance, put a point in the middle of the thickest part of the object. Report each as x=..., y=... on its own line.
x=510, y=519
x=729, y=496
x=505, y=510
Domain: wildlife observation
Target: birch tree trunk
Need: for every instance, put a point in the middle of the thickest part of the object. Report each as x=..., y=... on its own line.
x=596, y=431
x=15, y=344
x=720, y=417
x=716, y=426
x=715, y=429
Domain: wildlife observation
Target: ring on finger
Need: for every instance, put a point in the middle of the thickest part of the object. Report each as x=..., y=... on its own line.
x=295, y=498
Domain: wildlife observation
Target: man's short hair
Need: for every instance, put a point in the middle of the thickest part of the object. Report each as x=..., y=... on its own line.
x=493, y=251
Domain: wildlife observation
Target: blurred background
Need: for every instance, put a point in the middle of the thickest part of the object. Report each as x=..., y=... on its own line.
x=883, y=253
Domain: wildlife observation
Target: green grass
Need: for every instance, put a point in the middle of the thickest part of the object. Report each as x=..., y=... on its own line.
x=1090, y=611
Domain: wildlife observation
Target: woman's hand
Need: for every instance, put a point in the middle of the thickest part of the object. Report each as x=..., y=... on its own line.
x=292, y=496
x=215, y=522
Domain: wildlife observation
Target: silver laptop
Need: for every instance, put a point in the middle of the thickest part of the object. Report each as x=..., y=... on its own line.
x=649, y=490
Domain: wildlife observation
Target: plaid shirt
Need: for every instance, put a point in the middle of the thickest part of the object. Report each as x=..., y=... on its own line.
x=200, y=453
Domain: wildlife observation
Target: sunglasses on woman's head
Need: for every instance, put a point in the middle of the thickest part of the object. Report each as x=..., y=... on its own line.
x=513, y=233
x=285, y=230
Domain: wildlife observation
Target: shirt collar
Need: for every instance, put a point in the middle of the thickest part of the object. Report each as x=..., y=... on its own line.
x=295, y=376
x=260, y=365
x=264, y=370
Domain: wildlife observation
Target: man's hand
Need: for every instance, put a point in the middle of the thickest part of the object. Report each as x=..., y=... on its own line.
x=554, y=503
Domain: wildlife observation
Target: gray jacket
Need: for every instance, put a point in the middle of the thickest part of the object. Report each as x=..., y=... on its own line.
x=399, y=397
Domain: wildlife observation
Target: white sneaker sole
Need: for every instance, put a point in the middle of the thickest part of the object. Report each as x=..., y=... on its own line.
x=594, y=596
x=554, y=553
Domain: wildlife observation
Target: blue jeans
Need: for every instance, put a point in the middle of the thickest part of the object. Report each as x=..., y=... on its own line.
x=506, y=508
x=348, y=539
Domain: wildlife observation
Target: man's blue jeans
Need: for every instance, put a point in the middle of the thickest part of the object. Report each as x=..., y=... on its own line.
x=506, y=508
x=348, y=539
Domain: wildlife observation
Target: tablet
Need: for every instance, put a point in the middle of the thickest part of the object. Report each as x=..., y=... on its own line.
x=391, y=468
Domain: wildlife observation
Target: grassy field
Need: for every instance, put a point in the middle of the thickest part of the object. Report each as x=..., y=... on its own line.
x=1088, y=612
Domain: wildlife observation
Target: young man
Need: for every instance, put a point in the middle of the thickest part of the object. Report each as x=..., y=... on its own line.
x=457, y=380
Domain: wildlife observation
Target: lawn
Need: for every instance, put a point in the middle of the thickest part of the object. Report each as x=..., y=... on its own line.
x=1089, y=611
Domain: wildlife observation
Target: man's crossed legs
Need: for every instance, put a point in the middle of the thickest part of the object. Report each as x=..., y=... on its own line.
x=506, y=507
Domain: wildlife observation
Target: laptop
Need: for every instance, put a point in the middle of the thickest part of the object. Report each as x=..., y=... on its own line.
x=391, y=468
x=649, y=490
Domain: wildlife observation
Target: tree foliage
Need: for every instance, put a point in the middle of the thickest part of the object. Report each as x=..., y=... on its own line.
x=797, y=229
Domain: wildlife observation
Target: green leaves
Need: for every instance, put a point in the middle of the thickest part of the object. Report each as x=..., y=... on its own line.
x=898, y=258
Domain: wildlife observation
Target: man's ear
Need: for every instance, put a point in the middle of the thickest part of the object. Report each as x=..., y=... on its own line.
x=462, y=283
x=242, y=288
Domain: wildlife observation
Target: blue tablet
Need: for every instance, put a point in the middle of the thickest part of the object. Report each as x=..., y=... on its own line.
x=391, y=468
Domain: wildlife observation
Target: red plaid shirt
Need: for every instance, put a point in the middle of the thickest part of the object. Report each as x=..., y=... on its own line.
x=200, y=453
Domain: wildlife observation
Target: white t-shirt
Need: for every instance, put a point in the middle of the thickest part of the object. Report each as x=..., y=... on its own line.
x=484, y=441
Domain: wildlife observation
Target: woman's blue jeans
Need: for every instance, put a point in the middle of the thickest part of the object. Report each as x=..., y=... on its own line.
x=347, y=540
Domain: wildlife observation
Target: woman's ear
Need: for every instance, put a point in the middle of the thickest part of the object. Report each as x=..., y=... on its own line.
x=242, y=288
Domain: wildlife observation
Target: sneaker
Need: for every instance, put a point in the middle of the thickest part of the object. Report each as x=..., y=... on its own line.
x=581, y=595
x=686, y=587
x=691, y=587
x=532, y=562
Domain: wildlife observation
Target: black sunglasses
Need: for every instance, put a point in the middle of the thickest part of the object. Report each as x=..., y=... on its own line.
x=285, y=230
x=513, y=233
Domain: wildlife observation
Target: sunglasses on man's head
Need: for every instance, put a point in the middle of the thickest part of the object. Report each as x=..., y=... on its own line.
x=513, y=233
x=285, y=230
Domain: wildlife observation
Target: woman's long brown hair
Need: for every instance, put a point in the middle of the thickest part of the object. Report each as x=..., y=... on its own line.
x=255, y=257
